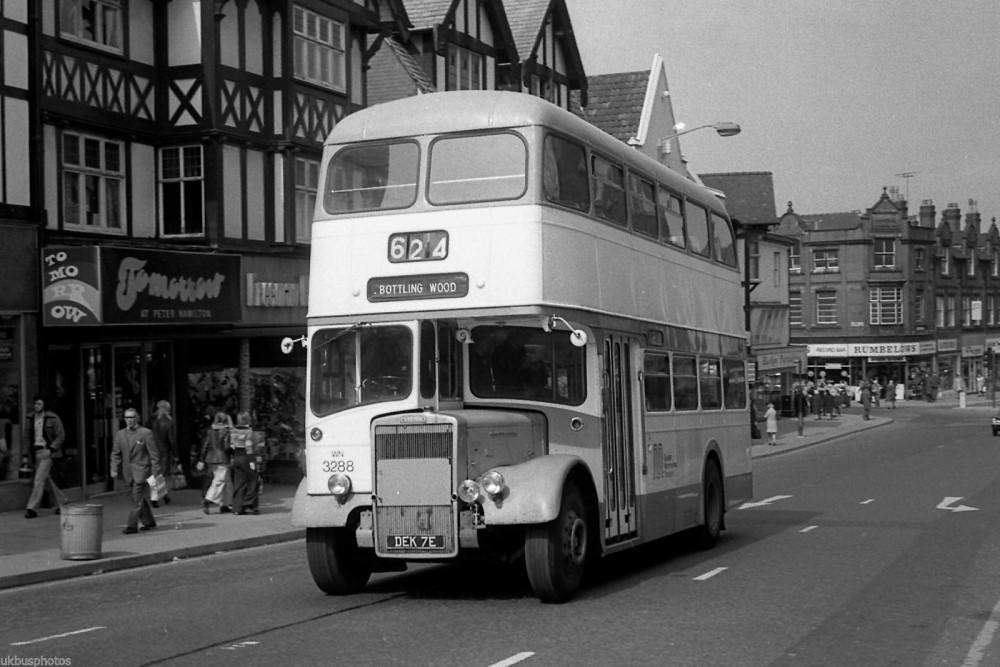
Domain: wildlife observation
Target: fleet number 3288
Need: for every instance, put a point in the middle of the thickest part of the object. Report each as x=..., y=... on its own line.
x=338, y=465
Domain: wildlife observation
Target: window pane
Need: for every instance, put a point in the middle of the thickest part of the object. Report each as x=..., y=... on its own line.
x=170, y=163
x=368, y=178
x=170, y=195
x=609, y=192
x=477, y=168
x=192, y=207
x=71, y=197
x=656, y=382
x=697, y=229
x=710, y=384
x=642, y=207
x=723, y=246
x=564, y=173
x=71, y=149
x=92, y=153
x=192, y=162
x=113, y=203
x=685, y=380
x=735, y=383
x=671, y=219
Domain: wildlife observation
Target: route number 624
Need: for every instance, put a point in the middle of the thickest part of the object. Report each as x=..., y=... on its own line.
x=418, y=246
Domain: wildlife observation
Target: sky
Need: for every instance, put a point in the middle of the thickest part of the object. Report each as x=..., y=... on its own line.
x=837, y=98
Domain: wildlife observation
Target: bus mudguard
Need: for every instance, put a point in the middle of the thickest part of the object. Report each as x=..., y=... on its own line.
x=534, y=490
x=309, y=511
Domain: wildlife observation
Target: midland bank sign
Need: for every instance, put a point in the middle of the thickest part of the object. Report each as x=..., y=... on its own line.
x=90, y=285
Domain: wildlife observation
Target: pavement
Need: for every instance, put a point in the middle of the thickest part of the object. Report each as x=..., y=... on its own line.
x=72, y=544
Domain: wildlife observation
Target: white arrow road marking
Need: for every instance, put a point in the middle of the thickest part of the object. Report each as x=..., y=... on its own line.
x=239, y=645
x=761, y=503
x=808, y=529
x=944, y=505
x=64, y=634
x=867, y=502
x=514, y=659
x=710, y=573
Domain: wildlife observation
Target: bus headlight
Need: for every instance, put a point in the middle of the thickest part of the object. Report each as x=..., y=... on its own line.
x=468, y=491
x=339, y=485
x=493, y=484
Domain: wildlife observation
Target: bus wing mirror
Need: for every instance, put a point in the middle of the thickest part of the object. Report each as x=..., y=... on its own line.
x=578, y=338
x=288, y=343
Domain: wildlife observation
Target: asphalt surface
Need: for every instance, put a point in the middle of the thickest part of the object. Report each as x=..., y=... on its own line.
x=86, y=538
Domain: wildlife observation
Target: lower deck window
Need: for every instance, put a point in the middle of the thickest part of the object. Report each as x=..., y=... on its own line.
x=526, y=363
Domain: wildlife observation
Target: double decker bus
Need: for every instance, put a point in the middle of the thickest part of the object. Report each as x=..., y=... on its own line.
x=525, y=340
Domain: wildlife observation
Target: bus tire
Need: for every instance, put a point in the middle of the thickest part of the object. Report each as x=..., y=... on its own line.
x=555, y=553
x=336, y=563
x=707, y=534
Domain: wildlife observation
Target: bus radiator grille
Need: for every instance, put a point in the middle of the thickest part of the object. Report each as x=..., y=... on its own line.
x=414, y=441
x=415, y=529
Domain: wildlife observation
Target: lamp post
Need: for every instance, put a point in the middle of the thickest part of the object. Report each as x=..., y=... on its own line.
x=724, y=129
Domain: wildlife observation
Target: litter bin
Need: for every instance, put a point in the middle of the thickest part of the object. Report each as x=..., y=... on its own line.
x=82, y=527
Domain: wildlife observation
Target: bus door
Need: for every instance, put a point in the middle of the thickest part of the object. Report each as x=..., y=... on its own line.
x=619, y=440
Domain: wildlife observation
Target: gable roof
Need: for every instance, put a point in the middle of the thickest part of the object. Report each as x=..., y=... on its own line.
x=394, y=73
x=749, y=194
x=614, y=102
x=426, y=13
x=527, y=18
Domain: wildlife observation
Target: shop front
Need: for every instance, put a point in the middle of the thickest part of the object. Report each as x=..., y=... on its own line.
x=909, y=362
x=776, y=372
x=18, y=353
x=118, y=324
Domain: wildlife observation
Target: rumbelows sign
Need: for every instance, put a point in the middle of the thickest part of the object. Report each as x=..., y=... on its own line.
x=91, y=285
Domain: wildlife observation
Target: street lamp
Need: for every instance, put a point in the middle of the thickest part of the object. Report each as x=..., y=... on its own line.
x=725, y=129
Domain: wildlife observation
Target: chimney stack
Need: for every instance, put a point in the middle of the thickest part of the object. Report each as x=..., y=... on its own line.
x=927, y=213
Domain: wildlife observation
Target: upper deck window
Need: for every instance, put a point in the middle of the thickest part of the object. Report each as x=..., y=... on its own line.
x=671, y=212
x=697, y=229
x=372, y=177
x=723, y=243
x=609, y=192
x=642, y=195
x=564, y=173
x=475, y=168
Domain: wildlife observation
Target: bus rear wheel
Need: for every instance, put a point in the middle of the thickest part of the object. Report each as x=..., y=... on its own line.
x=336, y=563
x=555, y=553
x=707, y=534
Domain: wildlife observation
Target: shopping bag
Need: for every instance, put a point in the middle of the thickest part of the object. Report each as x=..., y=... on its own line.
x=157, y=487
x=177, y=479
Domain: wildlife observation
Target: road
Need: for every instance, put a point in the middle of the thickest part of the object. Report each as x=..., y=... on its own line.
x=879, y=549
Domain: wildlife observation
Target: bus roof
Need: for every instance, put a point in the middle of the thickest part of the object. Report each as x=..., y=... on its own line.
x=472, y=110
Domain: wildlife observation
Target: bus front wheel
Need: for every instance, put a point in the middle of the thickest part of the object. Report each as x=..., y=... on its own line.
x=337, y=565
x=555, y=553
x=707, y=534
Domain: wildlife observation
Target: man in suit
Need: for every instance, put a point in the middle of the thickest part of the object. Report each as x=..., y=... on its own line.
x=136, y=452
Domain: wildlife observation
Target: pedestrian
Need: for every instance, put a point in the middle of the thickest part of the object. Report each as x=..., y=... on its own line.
x=46, y=436
x=244, y=466
x=162, y=426
x=866, y=400
x=800, y=408
x=876, y=390
x=890, y=394
x=136, y=452
x=771, y=421
x=214, y=457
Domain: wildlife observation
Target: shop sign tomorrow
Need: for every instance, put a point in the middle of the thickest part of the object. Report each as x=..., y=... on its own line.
x=91, y=285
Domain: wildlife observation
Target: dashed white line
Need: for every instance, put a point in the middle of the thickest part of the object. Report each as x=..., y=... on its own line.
x=808, y=528
x=513, y=660
x=978, y=650
x=710, y=573
x=867, y=502
x=62, y=634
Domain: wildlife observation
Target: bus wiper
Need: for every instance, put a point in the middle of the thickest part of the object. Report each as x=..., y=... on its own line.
x=288, y=343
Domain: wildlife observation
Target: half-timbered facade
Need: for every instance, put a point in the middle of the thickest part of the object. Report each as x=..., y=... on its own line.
x=181, y=143
x=19, y=215
x=549, y=60
x=445, y=45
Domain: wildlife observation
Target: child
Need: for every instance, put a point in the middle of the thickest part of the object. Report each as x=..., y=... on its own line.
x=772, y=424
